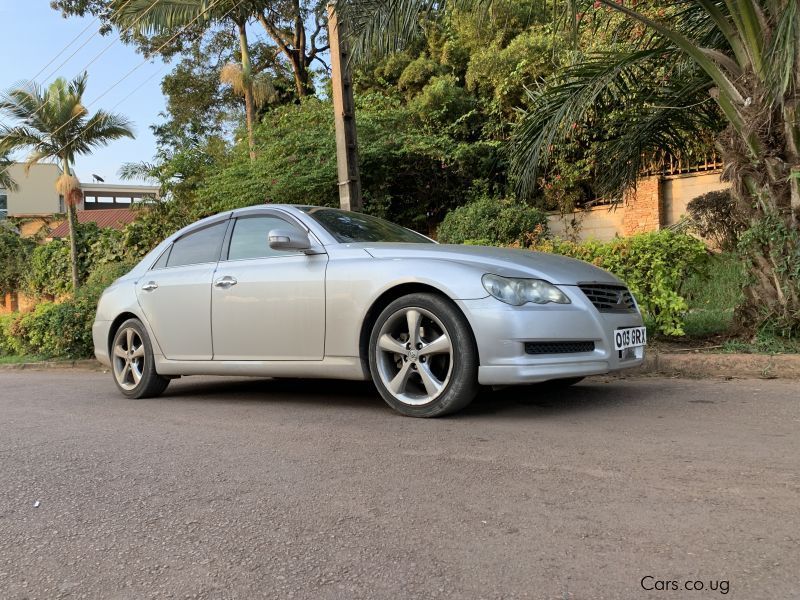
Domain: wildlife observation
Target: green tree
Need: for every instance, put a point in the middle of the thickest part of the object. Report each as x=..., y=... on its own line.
x=297, y=28
x=54, y=124
x=148, y=18
x=743, y=57
x=15, y=251
x=411, y=174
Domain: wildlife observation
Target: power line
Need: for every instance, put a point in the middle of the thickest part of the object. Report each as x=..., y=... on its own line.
x=131, y=71
x=38, y=110
x=64, y=49
x=89, y=39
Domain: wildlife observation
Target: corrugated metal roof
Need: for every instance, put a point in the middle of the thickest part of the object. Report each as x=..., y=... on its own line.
x=116, y=218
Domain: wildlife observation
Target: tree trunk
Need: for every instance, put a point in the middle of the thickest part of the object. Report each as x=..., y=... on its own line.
x=764, y=190
x=300, y=73
x=247, y=81
x=72, y=220
x=295, y=55
x=299, y=59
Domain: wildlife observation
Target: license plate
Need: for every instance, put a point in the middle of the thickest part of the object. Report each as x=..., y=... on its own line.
x=630, y=337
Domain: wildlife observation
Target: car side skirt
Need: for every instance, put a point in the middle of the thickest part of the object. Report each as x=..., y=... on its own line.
x=331, y=367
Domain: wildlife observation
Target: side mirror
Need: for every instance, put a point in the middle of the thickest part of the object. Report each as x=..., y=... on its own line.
x=288, y=239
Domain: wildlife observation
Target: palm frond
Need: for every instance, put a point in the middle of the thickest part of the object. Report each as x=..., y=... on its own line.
x=138, y=171
x=153, y=17
x=569, y=99
x=149, y=17
x=379, y=27
x=100, y=129
x=783, y=52
x=52, y=122
x=6, y=181
x=669, y=123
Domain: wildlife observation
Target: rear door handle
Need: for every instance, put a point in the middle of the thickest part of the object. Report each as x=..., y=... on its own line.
x=150, y=286
x=225, y=282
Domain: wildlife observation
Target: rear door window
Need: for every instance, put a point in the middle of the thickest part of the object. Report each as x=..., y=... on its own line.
x=198, y=247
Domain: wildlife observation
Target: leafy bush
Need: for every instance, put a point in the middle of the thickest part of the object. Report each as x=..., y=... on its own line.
x=60, y=329
x=409, y=174
x=492, y=221
x=9, y=344
x=715, y=217
x=49, y=271
x=655, y=267
x=417, y=73
x=442, y=102
x=15, y=252
x=50, y=268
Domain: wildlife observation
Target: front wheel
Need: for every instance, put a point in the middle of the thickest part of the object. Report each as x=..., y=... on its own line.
x=423, y=358
x=132, y=362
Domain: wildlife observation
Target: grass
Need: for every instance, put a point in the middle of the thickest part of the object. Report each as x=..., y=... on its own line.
x=712, y=296
x=718, y=286
x=18, y=359
x=764, y=342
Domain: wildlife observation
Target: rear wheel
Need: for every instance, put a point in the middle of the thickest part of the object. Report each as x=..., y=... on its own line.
x=423, y=358
x=132, y=362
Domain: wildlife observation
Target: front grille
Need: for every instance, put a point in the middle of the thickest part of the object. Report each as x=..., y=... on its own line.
x=609, y=298
x=558, y=347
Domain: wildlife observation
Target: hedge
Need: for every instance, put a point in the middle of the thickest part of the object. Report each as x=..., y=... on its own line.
x=59, y=329
x=655, y=267
x=492, y=221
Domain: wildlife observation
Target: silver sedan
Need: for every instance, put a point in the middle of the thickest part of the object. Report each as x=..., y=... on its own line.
x=302, y=291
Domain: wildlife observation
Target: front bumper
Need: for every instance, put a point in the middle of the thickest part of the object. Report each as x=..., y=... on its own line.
x=502, y=330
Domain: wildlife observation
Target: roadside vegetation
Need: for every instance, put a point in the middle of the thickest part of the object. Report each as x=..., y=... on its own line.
x=473, y=122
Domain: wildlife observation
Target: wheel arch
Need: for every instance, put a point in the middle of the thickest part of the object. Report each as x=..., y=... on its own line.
x=116, y=324
x=385, y=299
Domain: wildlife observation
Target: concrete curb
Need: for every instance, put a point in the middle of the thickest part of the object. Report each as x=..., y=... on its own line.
x=676, y=364
x=728, y=366
x=88, y=364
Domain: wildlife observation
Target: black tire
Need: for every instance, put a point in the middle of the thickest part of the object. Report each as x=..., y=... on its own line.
x=150, y=383
x=438, y=317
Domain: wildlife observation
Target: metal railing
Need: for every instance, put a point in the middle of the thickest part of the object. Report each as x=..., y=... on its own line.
x=675, y=165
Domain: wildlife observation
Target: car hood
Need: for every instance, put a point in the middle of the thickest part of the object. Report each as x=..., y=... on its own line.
x=500, y=261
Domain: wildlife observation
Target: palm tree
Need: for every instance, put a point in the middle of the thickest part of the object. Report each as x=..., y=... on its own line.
x=6, y=181
x=743, y=56
x=53, y=124
x=154, y=17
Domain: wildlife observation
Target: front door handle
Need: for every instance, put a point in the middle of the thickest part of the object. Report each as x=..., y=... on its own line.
x=150, y=286
x=225, y=282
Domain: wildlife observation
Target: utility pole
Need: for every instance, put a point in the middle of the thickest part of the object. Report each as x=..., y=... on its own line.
x=344, y=116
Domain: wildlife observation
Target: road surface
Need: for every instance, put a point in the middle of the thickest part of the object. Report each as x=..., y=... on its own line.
x=237, y=488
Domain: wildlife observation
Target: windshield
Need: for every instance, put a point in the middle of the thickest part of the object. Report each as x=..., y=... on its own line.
x=347, y=227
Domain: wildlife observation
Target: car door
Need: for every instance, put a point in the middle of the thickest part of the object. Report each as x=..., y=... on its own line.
x=175, y=294
x=267, y=304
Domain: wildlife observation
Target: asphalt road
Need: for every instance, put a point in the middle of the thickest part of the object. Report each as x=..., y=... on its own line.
x=258, y=488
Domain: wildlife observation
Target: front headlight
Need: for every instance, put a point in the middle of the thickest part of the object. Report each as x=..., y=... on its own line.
x=520, y=291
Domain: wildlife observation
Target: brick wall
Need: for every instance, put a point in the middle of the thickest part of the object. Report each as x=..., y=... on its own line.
x=643, y=207
x=8, y=303
x=16, y=302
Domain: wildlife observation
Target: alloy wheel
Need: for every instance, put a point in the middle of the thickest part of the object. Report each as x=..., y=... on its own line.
x=129, y=358
x=414, y=356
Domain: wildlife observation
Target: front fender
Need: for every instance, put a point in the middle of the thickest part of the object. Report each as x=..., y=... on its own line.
x=355, y=282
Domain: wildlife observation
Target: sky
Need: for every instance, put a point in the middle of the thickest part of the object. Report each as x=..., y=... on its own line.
x=33, y=34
